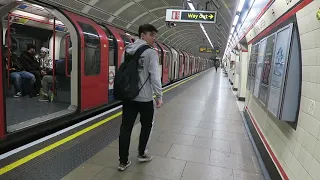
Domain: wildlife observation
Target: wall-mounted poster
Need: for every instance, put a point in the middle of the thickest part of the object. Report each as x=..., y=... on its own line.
x=250, y=67
x=254, y=67
x=259, y=64
x=278, y=71
x=264, y=87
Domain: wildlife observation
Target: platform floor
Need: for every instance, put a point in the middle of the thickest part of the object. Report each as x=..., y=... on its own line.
x=197, y=135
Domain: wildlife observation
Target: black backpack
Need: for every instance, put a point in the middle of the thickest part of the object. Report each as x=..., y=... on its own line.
x=126, y=82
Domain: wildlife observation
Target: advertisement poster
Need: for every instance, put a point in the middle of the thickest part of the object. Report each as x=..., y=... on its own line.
x=279, y=69
x=250, y=68
x=253, y=62
x=260, y=63
x=264, y=87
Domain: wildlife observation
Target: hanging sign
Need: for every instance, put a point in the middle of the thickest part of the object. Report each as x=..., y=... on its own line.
x=180, y=15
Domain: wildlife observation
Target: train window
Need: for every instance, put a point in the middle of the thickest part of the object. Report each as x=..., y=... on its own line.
x=92, y=50
x=125, y=39
x=159, y=53
x=112, y=47
x=63, y=46
x=168, y=59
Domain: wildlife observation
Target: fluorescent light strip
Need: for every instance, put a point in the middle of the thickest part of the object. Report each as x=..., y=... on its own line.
x=202, y=27
x=240, y=6
x=235, y=21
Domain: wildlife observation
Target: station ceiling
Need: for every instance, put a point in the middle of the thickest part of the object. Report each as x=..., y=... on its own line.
x=129, y=14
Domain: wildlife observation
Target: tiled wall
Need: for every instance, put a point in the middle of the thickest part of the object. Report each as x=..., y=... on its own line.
x=298, y=150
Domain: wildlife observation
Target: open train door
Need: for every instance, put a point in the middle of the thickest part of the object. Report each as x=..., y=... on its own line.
x=2, y=109
x=93, y=55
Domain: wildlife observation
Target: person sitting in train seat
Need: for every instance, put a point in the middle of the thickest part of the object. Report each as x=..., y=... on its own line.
x=46, y=63
x=30, y=64
x=17, y=74
x=47, y=80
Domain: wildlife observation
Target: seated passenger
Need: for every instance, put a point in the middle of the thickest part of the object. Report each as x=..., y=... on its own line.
x=30, y=64
x=47, y=80
x=17, y=74
x=45, y=61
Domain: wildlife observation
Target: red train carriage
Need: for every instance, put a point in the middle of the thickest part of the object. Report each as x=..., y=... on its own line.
x=85, y=55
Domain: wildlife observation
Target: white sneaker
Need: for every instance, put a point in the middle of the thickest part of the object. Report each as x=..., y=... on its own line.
x=144, y=158
x=122, y=166
x=19, y=94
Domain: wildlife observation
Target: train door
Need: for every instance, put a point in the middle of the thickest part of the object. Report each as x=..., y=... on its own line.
x=168, y=62
x=28, y=36
x=113, y=62
x=181, y=61
x=190, y=64
x=173, y=64
x=93, y=62
x=165, y=67
x=2, y=98
x=120, y=44
x=159, y=51
x=125, y=39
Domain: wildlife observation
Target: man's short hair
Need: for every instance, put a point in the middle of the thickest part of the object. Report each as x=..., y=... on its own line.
x=30, y=46
x=146, y=28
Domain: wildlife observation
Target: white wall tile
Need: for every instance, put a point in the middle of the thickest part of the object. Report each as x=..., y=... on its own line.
x=311, y=74
x=309, y=22
x=309, y=57
x=310, y=40
x=305, y=158
x=309, y=141
x=303, y=174
x=295, y=167
x=314, y=169
x=317, y=151
x=310, y=90
x=316, y=112
x=306, y=10
x=309, y=177
x=297, y=149
x=304, y=105
x=309, y=123
x=287, y=155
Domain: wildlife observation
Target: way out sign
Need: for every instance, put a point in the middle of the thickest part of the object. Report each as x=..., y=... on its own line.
x=180, y=15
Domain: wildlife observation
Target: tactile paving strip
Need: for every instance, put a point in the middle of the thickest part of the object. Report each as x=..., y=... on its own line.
x=58, y=162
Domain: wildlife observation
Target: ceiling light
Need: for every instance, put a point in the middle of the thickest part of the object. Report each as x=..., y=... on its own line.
x=202, y=27
x=235, y=21
x=232, y=29
x=191, y=6
x=240, y=6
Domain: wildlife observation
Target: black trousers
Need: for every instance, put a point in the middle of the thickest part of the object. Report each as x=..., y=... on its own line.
x=37, y=84
x=130, y=111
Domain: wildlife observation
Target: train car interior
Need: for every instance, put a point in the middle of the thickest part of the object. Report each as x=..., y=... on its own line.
x=32, y=24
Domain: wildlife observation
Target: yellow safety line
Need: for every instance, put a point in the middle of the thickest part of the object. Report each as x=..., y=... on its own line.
x=71, y=137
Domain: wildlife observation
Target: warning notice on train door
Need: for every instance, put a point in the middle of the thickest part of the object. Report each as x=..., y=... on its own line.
x=178, y=15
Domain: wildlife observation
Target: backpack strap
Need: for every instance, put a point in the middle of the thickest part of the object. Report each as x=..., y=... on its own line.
x=140, y=50
x=138, y=54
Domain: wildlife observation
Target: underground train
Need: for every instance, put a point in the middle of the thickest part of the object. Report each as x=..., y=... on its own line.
x=84, y=85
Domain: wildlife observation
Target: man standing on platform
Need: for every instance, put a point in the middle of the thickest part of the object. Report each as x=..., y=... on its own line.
x=150, y=82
